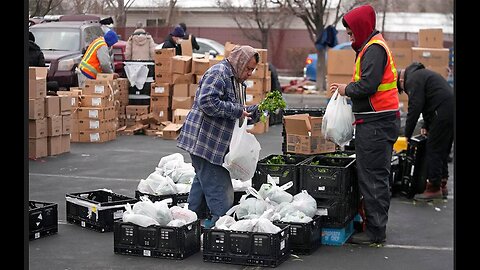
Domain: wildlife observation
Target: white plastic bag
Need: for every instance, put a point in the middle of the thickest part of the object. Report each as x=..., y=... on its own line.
x=337, y=120
x=241, y=160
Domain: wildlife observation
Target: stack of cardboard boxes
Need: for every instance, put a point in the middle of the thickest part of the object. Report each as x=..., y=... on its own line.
x=49, y=118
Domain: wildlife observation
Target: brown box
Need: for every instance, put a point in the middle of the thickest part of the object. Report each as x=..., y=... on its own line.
x=304, y=135
x=105, y=77
x=37, y=88
x=192, y=89
x=212, y=62
x=403, y=102
x=54, y=145
x=66, y=124
x=163, y=77
x=260, y=71
x=183, y=78
x=340, y=62
x=182, y=103
x=228, y=48
x=36, y=108
x=163, y=65
x=136, y=110
x=37, y=147
x=52, y=105
x=65, y=105
x=164, y=53
x=97, y=87
x=179, y=116
x=74, y=137
x=200, y=65
x=430, y=38
x=164, y=101
x=164, y=113
x=255, y=98
x=263, y=55
x=37, y=72
x=400, y=43
x=259, y=127
x=171, y=131
x=37, y=128
x=430, y=56
x=331, y=78
x=93, y=136
x=74, y=97
x=95, y=124
x=65, y=141
x=402, y=57
x=181, y=90
x=54, y=125
x=96, y=113
x=255, y=85
x=96, y=101
x=181, y=64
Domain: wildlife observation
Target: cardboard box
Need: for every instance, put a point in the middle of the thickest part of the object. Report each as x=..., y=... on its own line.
x=37, y=88
x=37, y=128
x=96, y=101
x=259, y=127
x=52, y=105
x=260, y=71
x=179, y=116
x=430, y=38
x=97, y=87
x=54, y=145
x=164, y=53
x=37, y=147
x=340, y=62
x=95, y=124
x=66, y=124
x=93, y=136
x=255, y=85
x=401, y=43
x=183, y=78
x=430, y=56
x=402, y=57
x=182, y=103
x=181, y=64
x=164, y=113
x=36, y=108
x=304, y=135
x=192, y=89
x=254, y=98
x=160, y=89
x=200, y=65
x=65, y=141
x=65, y=105
x=163, y=65
x=181, y=90
x=54, y=125
x=171, y=131
x=263, y=53
x=96, y=113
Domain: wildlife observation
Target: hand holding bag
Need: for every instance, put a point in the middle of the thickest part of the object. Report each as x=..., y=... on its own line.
x=337, y=122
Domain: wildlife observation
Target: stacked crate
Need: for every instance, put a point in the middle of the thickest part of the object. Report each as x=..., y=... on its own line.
x=49, y=118
x=121, y=100
x=96, y=114
x=161, y=88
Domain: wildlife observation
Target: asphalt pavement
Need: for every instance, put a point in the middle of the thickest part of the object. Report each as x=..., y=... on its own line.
x=419, y=235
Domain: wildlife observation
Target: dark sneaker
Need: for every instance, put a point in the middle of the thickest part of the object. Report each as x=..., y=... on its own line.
x=429, y=196
x=363, y=239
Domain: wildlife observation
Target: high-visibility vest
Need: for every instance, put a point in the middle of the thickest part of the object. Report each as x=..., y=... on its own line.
x=386, y=97
x=90, y=63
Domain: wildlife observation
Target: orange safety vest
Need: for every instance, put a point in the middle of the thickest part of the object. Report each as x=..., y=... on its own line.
x=386, y=97
x=90, y=63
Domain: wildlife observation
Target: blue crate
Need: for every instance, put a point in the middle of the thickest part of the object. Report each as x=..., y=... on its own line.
x=337, y=236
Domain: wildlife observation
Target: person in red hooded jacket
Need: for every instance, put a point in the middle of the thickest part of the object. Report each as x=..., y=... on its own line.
x=374, y=95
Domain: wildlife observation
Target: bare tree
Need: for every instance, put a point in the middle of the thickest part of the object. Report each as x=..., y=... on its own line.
x=42, y=7
x=171, y=7
x=315, y=14
x=119, y=8
x=257, y=15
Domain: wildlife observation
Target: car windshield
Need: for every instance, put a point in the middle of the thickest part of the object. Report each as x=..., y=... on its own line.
x=57, y=39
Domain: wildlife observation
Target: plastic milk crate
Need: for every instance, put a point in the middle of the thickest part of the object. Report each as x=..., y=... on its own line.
x=305, y=238
x=337, y=236
x=247, y=248
x=156, y=241
x=43, y=219
x=177, y=199
x=281, y=173
x=323, y=176
x=337, y=212
x=96, y=209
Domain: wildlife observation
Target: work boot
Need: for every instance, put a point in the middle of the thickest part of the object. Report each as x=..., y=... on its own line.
x=444, y=188
x=431, y=193
x=363, y=239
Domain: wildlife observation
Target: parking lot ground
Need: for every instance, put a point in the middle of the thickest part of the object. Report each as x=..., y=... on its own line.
x=419, y=236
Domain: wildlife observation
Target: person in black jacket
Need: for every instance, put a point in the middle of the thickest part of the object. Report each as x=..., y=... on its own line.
x=174, y=39
x=35, y=54
x=195, y=45
x=430, y=94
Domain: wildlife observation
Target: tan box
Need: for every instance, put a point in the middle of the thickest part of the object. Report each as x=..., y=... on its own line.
x=442, y=70
x=181, y=90
x=430, y=38
x=93, y=136
x=192, y=89
x=74, y=97
x=136, y=110
x=95, y=124
x=430, y=56
x=105, y=77
x=403, y=102
x=74, y=137
x=340, y=62
x=96, y=101
x=402, y=57
x=97, y=87
x=400, y=43
x=256, y=85
x=54, y=125
x=263, y=55
x=304, y=135
x=255, y=98
x=228, y=48
x=164, y=53
x=54, y=145
x=181, y=64
x=37, y=72
x=37, y=128
x=52, y=105
x=37, y=88
x=36, y=108
x=171, y=131
x=37, y=147
x=179, y=116
x=212, y=62
x=331, y=78
x=163, y=65
x=260, y=71
x=200, y=65
x=96, y=113
x=65, y=141
x=66, y=124
x=259, y=127
x=164, y=113
x=163, y=77
x=164, y=101
x=182, y=103
x=65, y=105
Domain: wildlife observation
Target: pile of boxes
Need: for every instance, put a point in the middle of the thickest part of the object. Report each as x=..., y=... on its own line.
x=49, y=118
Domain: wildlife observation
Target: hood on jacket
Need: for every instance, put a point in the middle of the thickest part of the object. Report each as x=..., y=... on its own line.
x=239, y=57
x=361, y=21
x=409, y=70
x=141, y=39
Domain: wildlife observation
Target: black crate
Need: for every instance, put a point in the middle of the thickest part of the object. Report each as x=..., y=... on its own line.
x=247, y=248
x=337, y=212
x=305, y=238
x=333, y=176
x=275, y=118
x=396, y=172
x=133, y=90
x=177, y=199
x=156, y=241
x=414, y=178
x=43, y=219
x=138, y=100
x=96, y=210
x=282, y=173
x=318, y=112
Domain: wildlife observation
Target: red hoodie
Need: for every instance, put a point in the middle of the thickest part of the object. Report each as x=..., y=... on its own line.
x=361, y=21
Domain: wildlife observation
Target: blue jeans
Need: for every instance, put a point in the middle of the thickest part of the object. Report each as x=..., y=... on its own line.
x=212, y=186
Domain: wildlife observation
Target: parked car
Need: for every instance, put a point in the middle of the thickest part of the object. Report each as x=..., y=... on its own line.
x=310, y=69
x=211, y=46
x=63, y=43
